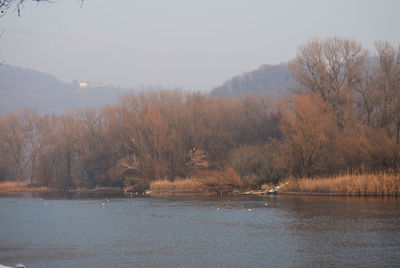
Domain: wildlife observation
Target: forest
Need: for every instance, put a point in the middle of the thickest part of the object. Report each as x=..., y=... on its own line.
x=341, y=117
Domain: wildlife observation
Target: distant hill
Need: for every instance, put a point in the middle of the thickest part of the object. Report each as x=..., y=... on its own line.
x=268, y=79
x=20, y=87
x=28, y=88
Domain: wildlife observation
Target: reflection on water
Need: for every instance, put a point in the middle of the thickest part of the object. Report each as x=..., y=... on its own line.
x=111, y=231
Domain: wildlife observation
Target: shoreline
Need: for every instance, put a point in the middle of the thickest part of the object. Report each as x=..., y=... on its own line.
x=359, y=185
x=161, y=194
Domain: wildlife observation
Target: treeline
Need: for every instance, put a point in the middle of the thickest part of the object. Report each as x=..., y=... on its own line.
x=344, y=117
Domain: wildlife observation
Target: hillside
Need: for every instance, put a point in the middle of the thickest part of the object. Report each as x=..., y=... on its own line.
x=28, y=88
x=269, y=79
x=20, y=87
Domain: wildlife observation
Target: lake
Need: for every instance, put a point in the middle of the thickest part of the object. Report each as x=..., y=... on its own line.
x=197, y=231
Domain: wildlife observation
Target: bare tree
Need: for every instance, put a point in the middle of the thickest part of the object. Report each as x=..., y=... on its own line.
x=35, y=127
x=14, y=136
x=366, y=99
x=387, y=85
x=332, y=69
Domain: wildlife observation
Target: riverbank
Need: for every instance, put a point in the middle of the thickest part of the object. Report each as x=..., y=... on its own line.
x=380, y=184
x=218, y=184
x=14, y=187
x=212, y=182
x=187, y=187
x=23, y=187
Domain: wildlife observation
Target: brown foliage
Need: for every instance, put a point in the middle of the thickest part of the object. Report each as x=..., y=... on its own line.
x=309, y=131
x=346, y=120
x=257, y=164
x=197, y=159
x=368, y=149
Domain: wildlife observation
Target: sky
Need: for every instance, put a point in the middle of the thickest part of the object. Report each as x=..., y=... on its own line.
x=187, y=44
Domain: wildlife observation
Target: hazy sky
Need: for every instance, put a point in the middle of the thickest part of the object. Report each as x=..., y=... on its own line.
x=195, y=45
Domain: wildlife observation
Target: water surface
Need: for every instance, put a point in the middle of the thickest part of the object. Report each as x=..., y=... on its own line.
x=282, y=231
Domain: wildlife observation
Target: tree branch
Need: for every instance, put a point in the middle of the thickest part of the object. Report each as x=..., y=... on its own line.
x=7, y=4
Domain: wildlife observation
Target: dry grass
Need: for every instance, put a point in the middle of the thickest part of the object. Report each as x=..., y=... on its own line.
x=182, y=185
x=381, y=184
x=201, y=181
x=11, y=186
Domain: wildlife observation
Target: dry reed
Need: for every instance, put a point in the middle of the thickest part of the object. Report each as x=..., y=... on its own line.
x=201, y=181
x=380, y=184
x=183, y=185
x=11, y=186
